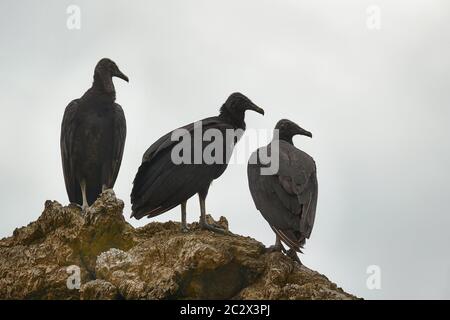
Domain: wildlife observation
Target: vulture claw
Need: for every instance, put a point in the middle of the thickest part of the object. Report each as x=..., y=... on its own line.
x=213, y=228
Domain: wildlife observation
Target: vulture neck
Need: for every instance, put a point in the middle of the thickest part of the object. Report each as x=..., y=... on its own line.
x=236, y=120
x=286, y=137
x=104, y=86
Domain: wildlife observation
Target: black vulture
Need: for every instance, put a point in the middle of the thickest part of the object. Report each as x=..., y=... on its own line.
x=287, y=196
x=93, y=135
x=162, y=183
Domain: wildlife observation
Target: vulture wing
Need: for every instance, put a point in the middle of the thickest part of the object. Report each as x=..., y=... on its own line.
x=68, y=127
x=160, y=184
x=287, y=199
x=118, y=144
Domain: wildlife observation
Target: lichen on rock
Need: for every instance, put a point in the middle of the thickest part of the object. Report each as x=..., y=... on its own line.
x=157, y=261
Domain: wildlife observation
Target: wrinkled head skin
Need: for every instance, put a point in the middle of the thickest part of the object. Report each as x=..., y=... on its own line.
x=237, y=104
x=287, y=129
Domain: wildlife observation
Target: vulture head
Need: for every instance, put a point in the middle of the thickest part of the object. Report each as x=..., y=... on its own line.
x=288, y=129
x=104, y=71
x=237, y=104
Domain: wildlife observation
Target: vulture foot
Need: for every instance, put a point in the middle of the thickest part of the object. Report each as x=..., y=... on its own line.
x=184, y=229
x=213, y=228
x=84, y=209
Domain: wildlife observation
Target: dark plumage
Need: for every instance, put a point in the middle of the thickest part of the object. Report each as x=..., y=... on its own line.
x=93, y=137
x=288, y=198
x=161, y=185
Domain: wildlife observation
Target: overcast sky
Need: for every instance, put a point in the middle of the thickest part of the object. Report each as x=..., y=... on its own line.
x=376, y=101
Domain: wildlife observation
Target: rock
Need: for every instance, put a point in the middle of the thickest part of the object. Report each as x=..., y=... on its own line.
x=113, y=260
x=99, y=290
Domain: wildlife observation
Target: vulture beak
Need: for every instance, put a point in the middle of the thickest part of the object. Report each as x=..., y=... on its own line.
x=255, y=108
x=119, y=74
x=303, y=132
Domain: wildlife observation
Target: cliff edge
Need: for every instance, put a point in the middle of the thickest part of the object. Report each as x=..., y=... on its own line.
x=65, y=255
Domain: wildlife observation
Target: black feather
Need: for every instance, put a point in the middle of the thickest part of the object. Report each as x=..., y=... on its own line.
x=288, y=198
x=93, y=133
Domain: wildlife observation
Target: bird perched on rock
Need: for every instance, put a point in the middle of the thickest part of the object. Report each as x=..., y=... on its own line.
x=163, y=181
x=93, y=135
x=286, y=198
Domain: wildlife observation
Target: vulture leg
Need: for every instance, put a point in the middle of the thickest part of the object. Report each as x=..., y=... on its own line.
x=277, y=247
x=184, y=227
x=85, y=205
x=203, y=224
x=293, y=255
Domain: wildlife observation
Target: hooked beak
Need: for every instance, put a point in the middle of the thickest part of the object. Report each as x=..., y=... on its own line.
x=255, y=108
x=121, y=75
x=303, y=132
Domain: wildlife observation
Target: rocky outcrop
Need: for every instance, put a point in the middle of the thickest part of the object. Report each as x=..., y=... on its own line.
x=65, y=255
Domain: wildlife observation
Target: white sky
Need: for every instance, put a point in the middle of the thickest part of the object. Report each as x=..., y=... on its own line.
x=377, y=103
